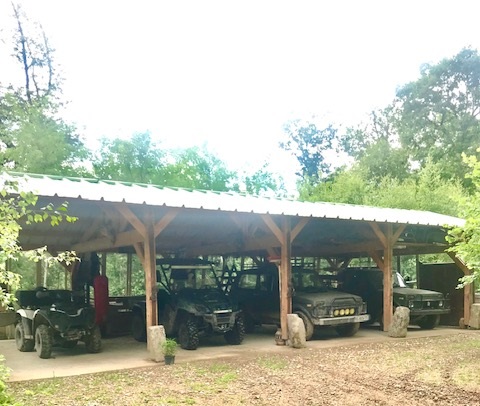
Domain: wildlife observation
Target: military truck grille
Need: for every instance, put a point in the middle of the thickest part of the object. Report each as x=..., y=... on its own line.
x=343, y=307
x=223, y=318
x=427, y=304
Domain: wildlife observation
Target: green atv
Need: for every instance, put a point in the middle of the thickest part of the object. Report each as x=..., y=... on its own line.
x=49, y=318
x=191, y=304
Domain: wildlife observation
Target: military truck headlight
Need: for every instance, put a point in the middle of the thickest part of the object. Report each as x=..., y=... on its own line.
x=342, y=312
x=336, y=312
x=440, y=303
x=319, y=311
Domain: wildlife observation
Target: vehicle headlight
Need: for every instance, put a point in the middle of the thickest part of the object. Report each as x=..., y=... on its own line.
x=319, y=311
x=336, y=312
x=440, y=303
x=342, y=312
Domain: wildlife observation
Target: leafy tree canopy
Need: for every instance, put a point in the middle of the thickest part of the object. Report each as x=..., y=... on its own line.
x=310, y=146
x=466, y=240
x=33, y=138
x=134, y=160
x=437, y=116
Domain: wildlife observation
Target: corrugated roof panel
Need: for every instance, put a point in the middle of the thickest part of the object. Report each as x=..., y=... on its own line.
x=110, y=191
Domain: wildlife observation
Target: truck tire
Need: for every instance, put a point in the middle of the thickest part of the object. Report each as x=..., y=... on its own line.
x=139, y=330
x=43, y=341
x=309, y=327
x=22, y=343
x=188, y=334
x=93, y=341
x=236, y=335
x=429, y=322
x=347, y=330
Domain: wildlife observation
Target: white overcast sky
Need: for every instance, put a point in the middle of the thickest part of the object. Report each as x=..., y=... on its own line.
x=231, y=73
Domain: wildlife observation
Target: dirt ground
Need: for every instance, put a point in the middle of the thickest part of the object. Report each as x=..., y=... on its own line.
x=440, y=370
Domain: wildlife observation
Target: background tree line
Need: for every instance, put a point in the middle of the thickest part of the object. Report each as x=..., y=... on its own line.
x=408, y=154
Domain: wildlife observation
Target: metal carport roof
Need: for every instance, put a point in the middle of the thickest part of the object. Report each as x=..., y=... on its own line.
x=210, y=222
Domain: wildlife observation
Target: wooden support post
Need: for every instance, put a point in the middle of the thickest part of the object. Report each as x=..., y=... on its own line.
x=468, y=291
x=103, y=267
x=128, y=288
x=38, y=273
x=285, y=277
x=387, y=281
x=150, y=276
x=388, y=239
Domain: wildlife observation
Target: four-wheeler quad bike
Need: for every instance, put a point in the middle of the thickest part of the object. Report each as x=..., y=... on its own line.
x=48, y=318
x=190, y=304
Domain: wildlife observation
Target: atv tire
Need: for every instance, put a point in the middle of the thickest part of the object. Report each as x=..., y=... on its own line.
x=188, y=334
x=236, y=335
x=139, y=330
x=43, y=341
x=93, y=341
x=22, y=343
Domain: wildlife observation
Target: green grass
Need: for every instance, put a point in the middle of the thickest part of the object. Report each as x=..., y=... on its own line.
x=274, y=363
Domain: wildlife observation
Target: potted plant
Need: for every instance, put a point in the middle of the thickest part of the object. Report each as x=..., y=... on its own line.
x=169, y=348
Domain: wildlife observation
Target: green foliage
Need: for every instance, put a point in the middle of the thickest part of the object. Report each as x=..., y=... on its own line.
x=135, y=160
x=117, y=275
x=5, y=398
x=35, y=141
x=196, y=168
x=310, y=145
x=424, y=191
x=466, y=240
x=437, y=115
x=16, y=207
x=169, y=347
x=261, y=182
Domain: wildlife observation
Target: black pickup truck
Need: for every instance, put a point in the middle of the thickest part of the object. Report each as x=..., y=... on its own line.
x=257, y=293
x=426, y=306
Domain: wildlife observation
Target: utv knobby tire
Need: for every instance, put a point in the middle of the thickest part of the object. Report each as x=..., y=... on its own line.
x=429, y=322
x=236, y=335
x=43, y=341
x=22, y=343
x=93, y=341
x=309, y=327
x=188, y=334
x=139, y=329
x=347, y=330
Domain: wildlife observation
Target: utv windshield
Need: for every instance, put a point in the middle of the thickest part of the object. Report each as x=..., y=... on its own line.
x=181, y=277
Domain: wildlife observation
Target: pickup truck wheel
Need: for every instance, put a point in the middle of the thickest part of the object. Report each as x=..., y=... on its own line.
x=43, y=341
x=22, y=343
x=139, y=331
x=429, y=322
x=236, y=335
x=347, y=330
x=93, y=341
x=309, y=327
x=188, y=334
